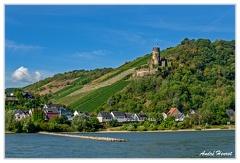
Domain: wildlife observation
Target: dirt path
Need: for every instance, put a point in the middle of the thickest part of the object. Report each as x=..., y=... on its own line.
x=103, y=84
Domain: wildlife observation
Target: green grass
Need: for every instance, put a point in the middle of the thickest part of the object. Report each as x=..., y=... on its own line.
x=98, y=97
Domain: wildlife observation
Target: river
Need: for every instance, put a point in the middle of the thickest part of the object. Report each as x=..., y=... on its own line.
x=179, y=144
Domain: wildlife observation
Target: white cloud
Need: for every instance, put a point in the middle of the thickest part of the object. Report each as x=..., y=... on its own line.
x=16, y=46
x=23, y=75
x=92, y=54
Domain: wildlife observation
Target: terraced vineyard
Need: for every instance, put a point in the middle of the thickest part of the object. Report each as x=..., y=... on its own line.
x=98, y=97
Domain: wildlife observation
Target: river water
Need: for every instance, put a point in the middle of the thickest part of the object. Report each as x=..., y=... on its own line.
x=180, y=144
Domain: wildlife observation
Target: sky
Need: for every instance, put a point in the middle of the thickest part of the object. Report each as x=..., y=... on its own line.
x=43, y=40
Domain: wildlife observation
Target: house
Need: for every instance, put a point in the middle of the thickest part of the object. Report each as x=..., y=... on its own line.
x=164, y=116
x=129, y=117
x=77, y=112
x=176, y=114
x=27, y=95
x=62, y=110
x=104, y=116
x=230, y=113
x=12, y=99
x=21, y=114
x=66, y=112
x=50, y=112
x=56, y=106
x=140, y=116
x=119, y=116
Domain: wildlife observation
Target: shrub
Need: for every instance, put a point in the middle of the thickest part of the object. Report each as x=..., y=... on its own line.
x=130, y=127
x=152, y=127
x=160, y=127
x=174, y=128
x=141, y=128
x=207, y=126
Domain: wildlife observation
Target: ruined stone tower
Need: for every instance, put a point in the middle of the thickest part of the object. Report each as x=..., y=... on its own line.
x=156, y=56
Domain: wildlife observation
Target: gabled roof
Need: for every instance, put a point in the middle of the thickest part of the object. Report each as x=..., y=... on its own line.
x=104, y=114
x=129, y=115
x=85, y=113
x=141, y=115
x=230, y=112
x=170, y=112
x=51, y=110
x=53, y=106
x=117, y=113
x=21, y=111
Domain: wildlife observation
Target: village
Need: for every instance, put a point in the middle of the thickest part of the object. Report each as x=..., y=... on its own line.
x=51, y=110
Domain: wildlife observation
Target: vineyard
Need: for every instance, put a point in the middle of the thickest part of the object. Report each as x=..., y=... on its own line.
x=98, y=97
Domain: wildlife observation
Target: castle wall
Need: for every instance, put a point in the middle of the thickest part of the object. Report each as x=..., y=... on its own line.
x=156, y=61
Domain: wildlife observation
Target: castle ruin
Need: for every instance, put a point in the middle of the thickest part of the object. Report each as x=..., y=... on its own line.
x=152, y=66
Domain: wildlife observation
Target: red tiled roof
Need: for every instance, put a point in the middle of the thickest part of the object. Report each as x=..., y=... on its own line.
x=171, y=111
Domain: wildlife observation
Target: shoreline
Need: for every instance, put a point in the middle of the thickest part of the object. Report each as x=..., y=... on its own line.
x=124, y=131
x=181, y=130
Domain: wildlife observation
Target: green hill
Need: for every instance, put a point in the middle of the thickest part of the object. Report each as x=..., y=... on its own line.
x=201, y=77
x=86, y=90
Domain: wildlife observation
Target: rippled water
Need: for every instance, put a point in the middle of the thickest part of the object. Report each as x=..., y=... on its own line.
x=186, y=144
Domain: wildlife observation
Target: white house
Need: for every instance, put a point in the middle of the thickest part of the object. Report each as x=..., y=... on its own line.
x=119, y=116
x=140, y=116
x=129, y=117
x=77, y=112
x=20, y=114
x=104, y=116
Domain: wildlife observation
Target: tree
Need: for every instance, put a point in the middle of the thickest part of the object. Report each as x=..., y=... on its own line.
x=95, y=124
x=63, y=119
x=113, y=123
x=9, y=119
x=27, y=125
x=55, y=120
x=80, y=123
x=37, y=115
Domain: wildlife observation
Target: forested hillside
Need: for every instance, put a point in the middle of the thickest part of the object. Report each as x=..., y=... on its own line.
x=201, y=78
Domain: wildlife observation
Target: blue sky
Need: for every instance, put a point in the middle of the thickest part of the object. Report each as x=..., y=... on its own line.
x=42, y=40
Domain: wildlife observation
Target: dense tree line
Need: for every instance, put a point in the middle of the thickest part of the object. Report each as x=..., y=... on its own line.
x=201, y=77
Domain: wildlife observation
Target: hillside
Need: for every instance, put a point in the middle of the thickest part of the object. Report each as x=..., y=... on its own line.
x=201, y=78
x=71, y=88
x=66, y=80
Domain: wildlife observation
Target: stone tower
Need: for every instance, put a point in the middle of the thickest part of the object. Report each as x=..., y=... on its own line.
x=156, y=56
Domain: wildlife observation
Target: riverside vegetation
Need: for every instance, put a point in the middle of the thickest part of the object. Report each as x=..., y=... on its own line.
x=201, y=77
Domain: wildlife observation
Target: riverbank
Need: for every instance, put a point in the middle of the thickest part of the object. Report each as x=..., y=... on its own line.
x=196, y=128
x=117, y=130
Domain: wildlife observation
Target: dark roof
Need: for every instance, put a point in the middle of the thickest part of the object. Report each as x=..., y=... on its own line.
x=85, y=113
x=51, y=110
x=21, y=111
x=129, y=115
x=230, y=112
x=142, y=115
x=28, y=94
x=105, y=114
x=117, y=113
x=53, y=106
